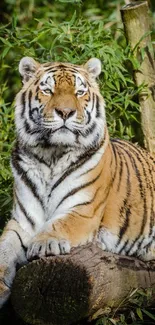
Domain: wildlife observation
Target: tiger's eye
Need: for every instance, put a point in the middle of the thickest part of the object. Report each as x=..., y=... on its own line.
x=48, y=91
x=80, y=92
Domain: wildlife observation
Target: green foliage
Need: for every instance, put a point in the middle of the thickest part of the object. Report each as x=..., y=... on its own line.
x=6, y=140
x=134, y=313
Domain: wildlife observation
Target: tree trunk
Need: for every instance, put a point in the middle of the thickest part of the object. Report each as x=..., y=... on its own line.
x=131, y=1
x=136, y=19
x=65, y=289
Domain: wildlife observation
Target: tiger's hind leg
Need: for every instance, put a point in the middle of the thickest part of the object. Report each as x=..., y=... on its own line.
x=12, y=251
x=147, y=253
x=110, y=242
x=106, y=240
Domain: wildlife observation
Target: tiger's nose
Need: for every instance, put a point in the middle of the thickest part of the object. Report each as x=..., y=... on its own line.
x=65, y=113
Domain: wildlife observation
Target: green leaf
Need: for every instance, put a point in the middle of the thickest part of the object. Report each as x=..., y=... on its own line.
x=139, y=313
x=5, y=52
x=148, y=314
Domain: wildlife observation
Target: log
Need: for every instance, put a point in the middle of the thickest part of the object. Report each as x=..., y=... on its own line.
x=136, y=20
x=65, y=289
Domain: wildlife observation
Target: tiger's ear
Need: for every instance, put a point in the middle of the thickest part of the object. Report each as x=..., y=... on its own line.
x=27, y=68
x=93, y=66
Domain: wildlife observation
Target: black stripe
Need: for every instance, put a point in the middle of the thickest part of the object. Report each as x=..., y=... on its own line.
x=36, y=95
x=88, y=202
x=141, y=153
x=27, y=127
x=35, y=83
x=23, y=103
x=29, y=103
x=84, y=203
x=36, y=129
x=116, y=160
x=70, y=68
x=89, y=170
x=77, y=189
x=142, y=190
x=50, y=69
x=125, y=210
x=29, y=98
x=90, y=130
x=31, y=115
x=95, y=141
x=88, y=115
x=76, y=165
x=82, y=216
x=100, y=203
x=27, y=216
x=142, y=193
x=98, y=113
x=140, y=243
x=149, y=183
x=93, y=101
x=19, y=237
x=128, y=251
x=61, y=67
x=46, y=81
x=123, y=247
x=15, y=162
x=33, y=156
x=147, y=247
x=134, y=165
x=120, y=174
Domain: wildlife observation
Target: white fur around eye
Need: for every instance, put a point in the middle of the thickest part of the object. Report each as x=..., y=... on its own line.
x=80, y=81
x=80, y=93
x=47, y=92
x=81, y=87
x=47, y=84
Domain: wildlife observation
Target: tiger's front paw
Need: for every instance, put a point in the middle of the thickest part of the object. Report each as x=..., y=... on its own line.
x=51, y=246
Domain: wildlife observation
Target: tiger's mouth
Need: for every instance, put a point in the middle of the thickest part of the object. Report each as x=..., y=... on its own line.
x=57, y=128
x=64, y=126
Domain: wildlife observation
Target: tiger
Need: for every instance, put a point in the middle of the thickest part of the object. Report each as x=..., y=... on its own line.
x=73, y=184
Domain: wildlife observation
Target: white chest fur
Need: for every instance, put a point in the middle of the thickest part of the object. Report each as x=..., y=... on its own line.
x=55, y=183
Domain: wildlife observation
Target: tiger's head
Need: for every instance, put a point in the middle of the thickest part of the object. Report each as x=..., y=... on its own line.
x=60, y=104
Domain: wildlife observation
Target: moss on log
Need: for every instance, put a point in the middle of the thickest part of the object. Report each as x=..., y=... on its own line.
x=63, y=290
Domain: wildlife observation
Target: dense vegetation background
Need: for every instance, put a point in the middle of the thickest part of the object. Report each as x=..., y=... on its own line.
x=74, y=31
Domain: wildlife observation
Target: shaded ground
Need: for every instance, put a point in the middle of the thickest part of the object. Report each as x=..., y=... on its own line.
x=8, y=316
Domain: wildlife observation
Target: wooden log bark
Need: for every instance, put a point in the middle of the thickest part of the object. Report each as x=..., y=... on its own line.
x=65, y=289
x=136, y=20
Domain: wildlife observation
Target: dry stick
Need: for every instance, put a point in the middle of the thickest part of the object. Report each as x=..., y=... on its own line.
x=65, y=289
x=135, y=17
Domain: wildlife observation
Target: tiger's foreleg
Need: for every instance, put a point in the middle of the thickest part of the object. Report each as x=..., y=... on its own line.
x=12, y=252
x=59, y=237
